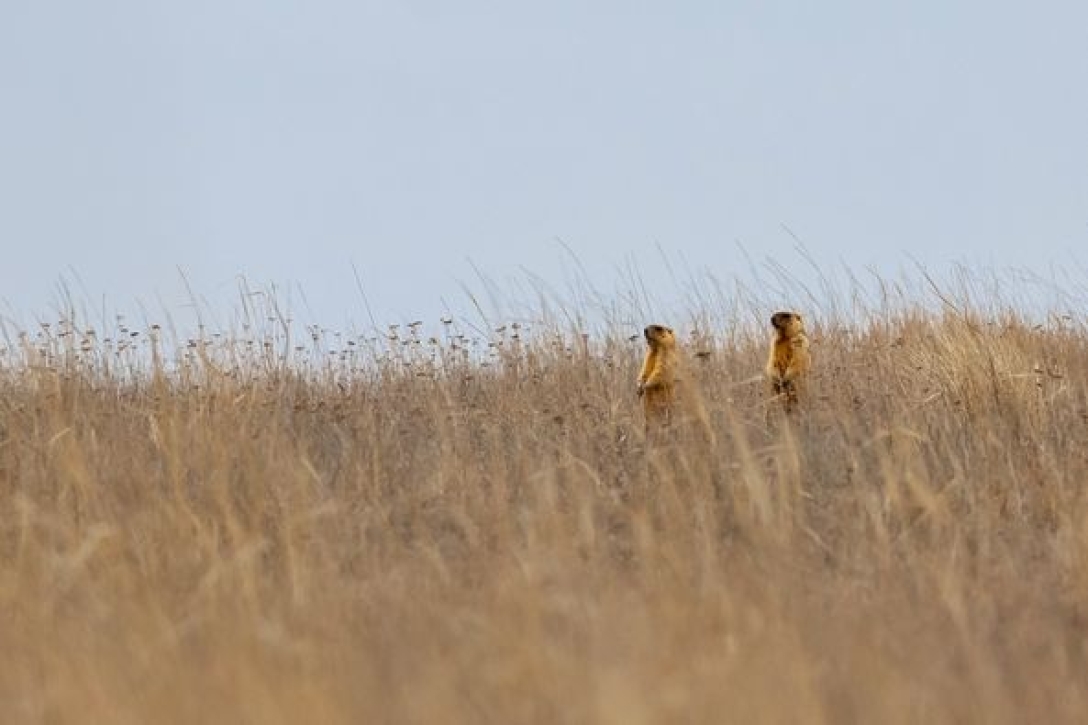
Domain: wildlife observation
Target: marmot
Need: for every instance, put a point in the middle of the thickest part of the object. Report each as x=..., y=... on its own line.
x=789, y=359
x=658, y=378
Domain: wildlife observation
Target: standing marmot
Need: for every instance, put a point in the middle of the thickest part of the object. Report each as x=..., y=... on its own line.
x=657, y=381
x=789, y=359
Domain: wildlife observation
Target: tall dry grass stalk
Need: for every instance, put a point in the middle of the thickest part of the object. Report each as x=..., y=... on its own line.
x=403, y=530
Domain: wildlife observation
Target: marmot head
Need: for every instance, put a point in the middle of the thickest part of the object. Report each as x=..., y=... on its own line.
x=788, y=324
x=659, y=335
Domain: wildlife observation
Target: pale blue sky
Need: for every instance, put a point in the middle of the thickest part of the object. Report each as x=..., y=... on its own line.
x=287, y=140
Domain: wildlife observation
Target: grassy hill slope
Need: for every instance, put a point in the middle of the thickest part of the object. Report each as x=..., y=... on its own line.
x=405, y=531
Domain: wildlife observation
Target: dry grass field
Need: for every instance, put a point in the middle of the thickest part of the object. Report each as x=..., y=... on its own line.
x=473, y=529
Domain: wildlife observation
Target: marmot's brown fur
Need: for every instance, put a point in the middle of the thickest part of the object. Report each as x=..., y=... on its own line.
x=658, y=378
x=789, y=360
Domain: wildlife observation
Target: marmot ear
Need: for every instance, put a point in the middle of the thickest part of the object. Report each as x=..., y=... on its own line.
x=669, y=330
